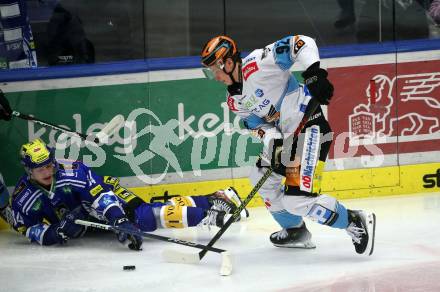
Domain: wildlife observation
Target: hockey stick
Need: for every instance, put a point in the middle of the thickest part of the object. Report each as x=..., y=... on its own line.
x=148, y=235
x=226, y=258
x=176, y=256
x=107, y=131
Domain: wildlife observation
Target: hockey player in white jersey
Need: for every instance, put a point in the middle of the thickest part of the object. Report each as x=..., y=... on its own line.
x=271, y=103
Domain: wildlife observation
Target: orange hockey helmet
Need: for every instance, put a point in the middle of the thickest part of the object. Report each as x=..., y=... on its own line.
x=218, y=48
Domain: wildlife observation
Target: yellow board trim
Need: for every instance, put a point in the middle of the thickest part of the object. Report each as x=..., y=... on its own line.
x=342, y=184
x=3, y=224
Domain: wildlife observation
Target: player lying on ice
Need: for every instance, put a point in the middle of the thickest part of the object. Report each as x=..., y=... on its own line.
x=271, y=103
x=54, y=193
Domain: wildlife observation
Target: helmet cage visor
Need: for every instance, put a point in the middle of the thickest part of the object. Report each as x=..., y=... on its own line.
x=211, y=71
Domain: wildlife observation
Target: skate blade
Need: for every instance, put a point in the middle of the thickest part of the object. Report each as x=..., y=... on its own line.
x=303, y=245
x=371, y=226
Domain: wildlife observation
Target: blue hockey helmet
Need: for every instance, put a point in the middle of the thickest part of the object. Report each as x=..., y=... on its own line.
x=36, y=154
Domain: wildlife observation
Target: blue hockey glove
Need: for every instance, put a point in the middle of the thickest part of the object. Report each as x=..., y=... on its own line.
x=60, y=232
x=315, y=79
x=57, y=233
x=135, y=240
x=68, y=226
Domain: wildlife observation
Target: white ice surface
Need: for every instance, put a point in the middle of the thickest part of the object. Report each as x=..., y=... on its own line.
x=406, y=257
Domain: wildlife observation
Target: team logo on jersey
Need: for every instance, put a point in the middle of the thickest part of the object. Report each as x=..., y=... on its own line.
x=249, y=69
x=259, y=92
x=310, y=158
x=231, y=104
x=261, y=106
x=67, y=190
x=37, y=205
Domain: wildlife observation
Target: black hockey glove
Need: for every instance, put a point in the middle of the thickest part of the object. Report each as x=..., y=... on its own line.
x=315, y=79
x=5, y=109
x=272, y=159
x=135, y=240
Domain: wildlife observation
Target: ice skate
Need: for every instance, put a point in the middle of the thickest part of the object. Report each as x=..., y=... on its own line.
x=214, y=218
x=228, y=201
x=296, y=237
x=361, y=228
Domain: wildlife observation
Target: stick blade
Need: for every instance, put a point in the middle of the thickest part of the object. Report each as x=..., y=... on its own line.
x=226, y=267
x=175, y=256
x=115, y=124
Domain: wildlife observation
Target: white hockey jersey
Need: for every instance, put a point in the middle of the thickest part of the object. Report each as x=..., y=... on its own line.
x=272, y=101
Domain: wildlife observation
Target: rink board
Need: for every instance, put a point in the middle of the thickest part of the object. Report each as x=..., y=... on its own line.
x=419, y=178
x=386, y=126
x=412, y=179
x=391, y=109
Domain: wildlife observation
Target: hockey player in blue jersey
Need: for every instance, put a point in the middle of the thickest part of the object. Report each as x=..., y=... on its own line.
x=53, y=193
x=269, y=100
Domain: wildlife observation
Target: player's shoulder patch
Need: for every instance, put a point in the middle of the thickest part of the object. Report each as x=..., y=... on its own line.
x=22, y=192
x=96, y=190
x=110, y=180
x=249, y=69
x=248, y=59
x=19, y=188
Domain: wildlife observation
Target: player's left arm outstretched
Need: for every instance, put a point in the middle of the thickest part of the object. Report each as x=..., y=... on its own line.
x=102, y=203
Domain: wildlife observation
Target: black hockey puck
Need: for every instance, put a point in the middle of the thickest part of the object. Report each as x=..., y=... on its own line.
x=129, y=268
